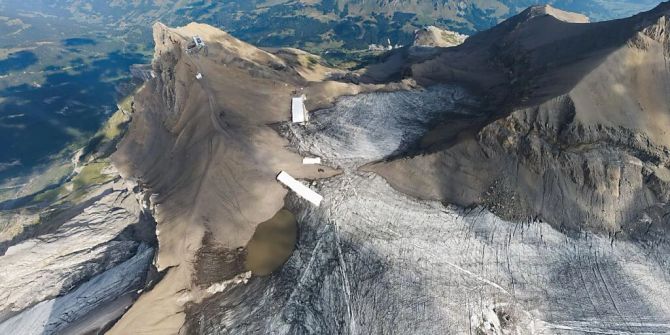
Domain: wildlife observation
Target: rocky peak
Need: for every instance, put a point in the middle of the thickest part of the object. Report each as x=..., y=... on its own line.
x=657, y=32
x=542, y=10
x=431, y=36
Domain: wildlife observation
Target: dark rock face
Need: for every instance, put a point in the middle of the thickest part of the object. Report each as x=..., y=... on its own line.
x=85, y=273
x=541, y=163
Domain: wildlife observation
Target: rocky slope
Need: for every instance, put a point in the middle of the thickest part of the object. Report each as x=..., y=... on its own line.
x=76, y=252
x=92, y=306
x=80, y=266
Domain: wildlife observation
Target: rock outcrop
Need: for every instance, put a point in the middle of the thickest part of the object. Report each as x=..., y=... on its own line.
x=92, y=306
x=82, y=266
x=52, y=264
x=556, y=13
x=432, y=36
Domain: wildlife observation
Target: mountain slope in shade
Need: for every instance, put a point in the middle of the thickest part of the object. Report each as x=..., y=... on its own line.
x=577, y=128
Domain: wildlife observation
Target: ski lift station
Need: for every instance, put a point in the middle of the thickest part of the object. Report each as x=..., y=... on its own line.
x=299, y=188
x=196, y=44
x=298, y=109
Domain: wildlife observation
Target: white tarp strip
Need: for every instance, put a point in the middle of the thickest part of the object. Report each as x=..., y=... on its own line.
x=311, y=160
x=299, y=188
x=305, y=113
x=298, y=110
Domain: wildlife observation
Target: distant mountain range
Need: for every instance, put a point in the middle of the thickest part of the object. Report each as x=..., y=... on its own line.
x=47, y=44
x=314, y=25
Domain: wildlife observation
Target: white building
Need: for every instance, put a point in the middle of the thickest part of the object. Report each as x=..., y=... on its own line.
x=298, y=109
x=195, y=46
x=311, y=161
x=299, y=188
x=198, y=42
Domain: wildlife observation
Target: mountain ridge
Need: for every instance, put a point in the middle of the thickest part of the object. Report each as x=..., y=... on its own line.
x=558, y=128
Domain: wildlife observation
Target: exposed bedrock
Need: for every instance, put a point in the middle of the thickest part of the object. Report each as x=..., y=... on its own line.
x=575, y=175
x=82, y=274
x=92, y=306
x=432, y=36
